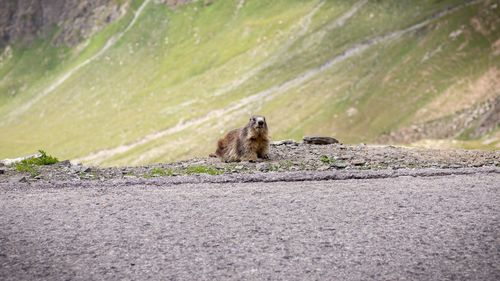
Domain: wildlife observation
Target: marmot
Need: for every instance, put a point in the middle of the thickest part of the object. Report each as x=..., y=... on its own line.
x=245, y=144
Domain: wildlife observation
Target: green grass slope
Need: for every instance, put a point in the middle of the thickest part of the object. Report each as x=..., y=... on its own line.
x=170, y=82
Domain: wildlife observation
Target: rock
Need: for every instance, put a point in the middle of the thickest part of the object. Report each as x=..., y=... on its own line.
x=284, y=142
x=239, y=167
x=86, y=169
x=358, y=162
x=263, y=167
x=75, y=20
x=340, y=165
x=320, y=140
x=2, y=171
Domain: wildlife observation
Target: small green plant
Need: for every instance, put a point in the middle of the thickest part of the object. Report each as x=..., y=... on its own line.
x=203, y=170
x=29, y=165
x=327, y=160
x=41, y=160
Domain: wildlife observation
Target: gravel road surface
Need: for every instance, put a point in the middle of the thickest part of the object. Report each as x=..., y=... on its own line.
x=396, y=228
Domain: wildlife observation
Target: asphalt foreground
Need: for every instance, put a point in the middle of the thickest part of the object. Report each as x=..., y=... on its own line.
x=420, y=224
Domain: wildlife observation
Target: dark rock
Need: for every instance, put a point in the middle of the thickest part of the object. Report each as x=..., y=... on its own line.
x=2, y=171
x=320, y=140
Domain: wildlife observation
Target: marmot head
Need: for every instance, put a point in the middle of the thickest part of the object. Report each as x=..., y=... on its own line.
x=258, y=124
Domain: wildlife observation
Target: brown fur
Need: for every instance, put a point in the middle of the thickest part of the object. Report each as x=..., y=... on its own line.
x=245, y=144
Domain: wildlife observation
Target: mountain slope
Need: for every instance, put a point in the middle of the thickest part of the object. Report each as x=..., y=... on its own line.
x=161, y=84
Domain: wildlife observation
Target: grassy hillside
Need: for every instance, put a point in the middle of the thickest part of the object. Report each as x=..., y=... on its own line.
x=163, y=84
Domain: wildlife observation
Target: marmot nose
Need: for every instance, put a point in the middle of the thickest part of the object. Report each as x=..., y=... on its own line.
x=261, y=122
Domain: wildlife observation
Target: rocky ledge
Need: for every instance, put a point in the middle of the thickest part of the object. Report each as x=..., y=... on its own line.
x=288, y=159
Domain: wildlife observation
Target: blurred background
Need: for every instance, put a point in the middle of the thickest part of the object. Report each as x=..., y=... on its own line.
x=132, y=82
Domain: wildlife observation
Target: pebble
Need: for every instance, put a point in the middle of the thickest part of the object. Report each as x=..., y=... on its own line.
x=358, y=162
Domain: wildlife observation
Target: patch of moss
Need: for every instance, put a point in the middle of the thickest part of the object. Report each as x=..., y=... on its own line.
x=159, y=172
x=203, y=170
